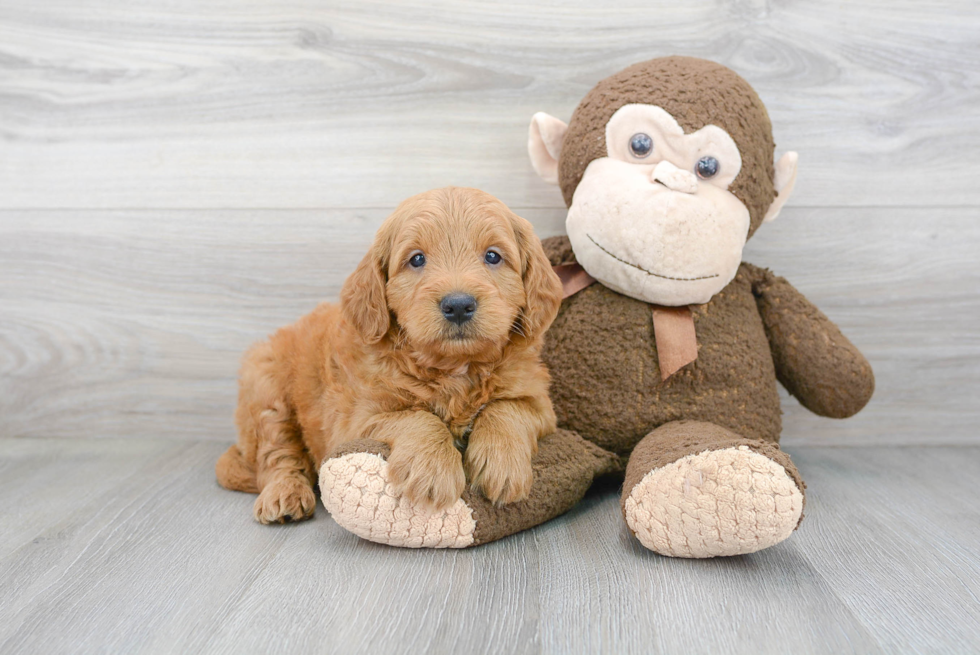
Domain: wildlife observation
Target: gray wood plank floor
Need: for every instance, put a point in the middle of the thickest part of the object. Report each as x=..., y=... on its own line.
x=130, y=546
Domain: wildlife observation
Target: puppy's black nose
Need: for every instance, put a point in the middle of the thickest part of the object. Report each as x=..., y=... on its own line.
x=458, y=307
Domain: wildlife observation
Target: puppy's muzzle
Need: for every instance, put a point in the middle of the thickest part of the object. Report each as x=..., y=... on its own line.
x=458, y=308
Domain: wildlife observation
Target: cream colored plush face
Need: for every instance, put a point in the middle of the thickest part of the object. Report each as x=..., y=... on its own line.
x=650, y=226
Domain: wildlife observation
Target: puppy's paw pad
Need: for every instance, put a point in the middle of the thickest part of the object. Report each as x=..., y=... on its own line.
x=285, y=500
x=722, y=502
x=357, y=492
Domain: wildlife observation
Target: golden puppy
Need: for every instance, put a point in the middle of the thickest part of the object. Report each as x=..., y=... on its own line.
x=434, y=347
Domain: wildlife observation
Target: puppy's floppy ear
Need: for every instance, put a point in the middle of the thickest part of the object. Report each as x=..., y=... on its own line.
x=363, y=301
x=541, y=284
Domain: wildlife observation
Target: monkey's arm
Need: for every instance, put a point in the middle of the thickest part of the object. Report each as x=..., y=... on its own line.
x=814, y=361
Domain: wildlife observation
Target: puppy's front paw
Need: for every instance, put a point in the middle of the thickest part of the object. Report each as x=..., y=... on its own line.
x=502, y=471
x=433, y=478
x=285, y=499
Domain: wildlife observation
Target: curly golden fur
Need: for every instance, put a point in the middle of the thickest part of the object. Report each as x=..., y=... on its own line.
x=387, y=364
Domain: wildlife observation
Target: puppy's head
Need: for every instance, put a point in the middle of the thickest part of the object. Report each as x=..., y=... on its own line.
x=458, y=272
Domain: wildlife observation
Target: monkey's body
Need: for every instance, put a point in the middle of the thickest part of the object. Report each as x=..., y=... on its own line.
x=602, y=354
x=606, y=382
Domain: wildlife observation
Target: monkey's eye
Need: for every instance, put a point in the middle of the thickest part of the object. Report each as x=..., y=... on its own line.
x=641, y=145
x=417, y=260
x=707, y=167
x=492, y=257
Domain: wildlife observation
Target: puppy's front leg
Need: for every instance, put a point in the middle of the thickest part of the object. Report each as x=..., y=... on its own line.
x=503, y=442
x=424, y=465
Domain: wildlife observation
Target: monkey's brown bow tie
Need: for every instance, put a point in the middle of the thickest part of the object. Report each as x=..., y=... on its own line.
x=673, y=327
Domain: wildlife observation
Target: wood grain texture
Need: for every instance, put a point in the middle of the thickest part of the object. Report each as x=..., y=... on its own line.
x=130, y=323
x=146, y=554
x=303, y=103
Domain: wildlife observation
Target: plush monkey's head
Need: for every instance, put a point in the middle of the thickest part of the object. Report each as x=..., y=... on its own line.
x=667, y=169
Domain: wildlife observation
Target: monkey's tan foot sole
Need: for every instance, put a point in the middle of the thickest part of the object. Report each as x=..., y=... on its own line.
x=356, y=492
x=715, y=503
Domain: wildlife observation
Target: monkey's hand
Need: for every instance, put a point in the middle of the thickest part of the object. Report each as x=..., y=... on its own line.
x=814, y=361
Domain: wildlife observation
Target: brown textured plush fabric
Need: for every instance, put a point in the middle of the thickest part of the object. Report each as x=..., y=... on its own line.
x=564, y=469
x=814, y=361
x=696, y=93
x=362, y=446
x=673, y=441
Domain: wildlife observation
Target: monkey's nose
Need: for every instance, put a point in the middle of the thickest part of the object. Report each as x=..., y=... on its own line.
x=674, y=178
x=458, y=307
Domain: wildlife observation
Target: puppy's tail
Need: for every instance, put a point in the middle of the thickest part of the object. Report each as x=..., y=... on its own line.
x=235, y=472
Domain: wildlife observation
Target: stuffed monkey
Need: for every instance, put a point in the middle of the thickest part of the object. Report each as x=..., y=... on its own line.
x=666, y=351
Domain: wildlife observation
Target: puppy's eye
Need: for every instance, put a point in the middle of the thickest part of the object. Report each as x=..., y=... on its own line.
x=707, y=167
x=417, y=260
x=492, y=257
x=641, y=145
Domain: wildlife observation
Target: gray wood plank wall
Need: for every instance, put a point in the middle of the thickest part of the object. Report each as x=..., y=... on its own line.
x=178, y=180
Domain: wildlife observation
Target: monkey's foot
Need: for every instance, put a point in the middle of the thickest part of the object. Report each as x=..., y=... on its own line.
x=357, y=493
x=355, y=488
x=727, y=501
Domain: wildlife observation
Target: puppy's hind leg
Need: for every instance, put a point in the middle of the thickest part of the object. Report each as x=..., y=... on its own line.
x=271, y=444
x=284, y=470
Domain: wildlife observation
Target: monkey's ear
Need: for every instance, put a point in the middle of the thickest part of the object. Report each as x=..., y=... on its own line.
x=544, y=139
x=783, y=179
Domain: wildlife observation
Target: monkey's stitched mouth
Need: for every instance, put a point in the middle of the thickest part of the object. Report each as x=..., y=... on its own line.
x=640, y=268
